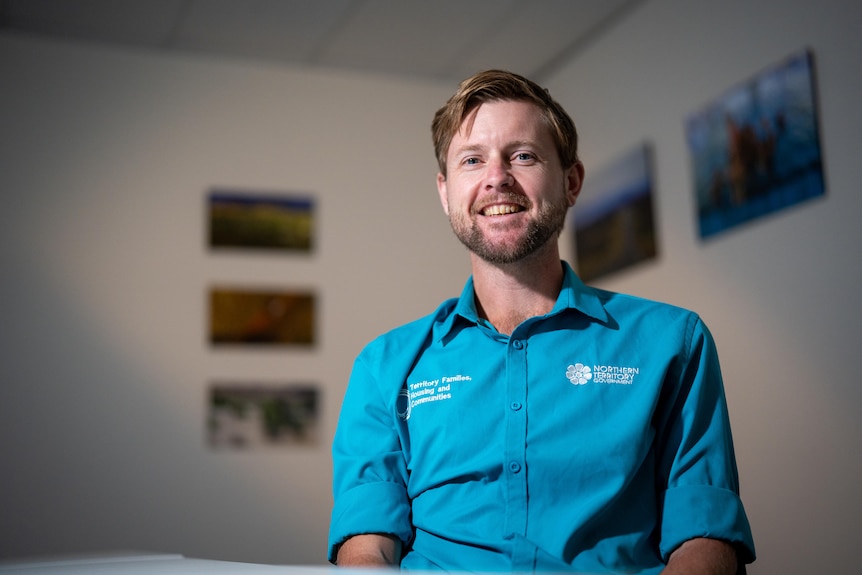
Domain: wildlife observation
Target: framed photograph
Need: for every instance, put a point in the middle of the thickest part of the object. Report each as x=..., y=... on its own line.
x=248, y=416
x=249, y=220
x=261, y=317
x=613, y=219
x=756, y=149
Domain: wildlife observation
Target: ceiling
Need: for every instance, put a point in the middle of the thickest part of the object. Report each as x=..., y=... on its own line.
x=432, y=39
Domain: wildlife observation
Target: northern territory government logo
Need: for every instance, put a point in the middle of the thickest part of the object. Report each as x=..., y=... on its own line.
x=581, y=374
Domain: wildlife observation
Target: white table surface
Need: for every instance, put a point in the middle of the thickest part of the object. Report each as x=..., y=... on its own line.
x=152, y=563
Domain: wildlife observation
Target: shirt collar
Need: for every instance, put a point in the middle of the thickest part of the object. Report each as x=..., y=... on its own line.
x=574, y=295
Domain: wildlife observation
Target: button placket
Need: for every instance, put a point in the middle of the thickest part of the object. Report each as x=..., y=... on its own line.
x=516, y=437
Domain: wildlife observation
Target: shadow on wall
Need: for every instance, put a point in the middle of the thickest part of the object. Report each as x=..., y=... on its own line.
x=103, y=452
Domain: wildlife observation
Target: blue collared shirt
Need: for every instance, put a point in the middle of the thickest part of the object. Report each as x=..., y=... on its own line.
x=594, y=438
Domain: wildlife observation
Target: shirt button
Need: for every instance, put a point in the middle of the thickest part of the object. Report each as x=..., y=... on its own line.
x=518, y=344
x=515, y=405
x=514, y=467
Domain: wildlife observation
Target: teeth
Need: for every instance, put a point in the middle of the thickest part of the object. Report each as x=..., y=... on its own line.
x=499, y=210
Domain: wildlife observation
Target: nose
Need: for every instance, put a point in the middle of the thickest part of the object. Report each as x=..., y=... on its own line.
x=498, y=174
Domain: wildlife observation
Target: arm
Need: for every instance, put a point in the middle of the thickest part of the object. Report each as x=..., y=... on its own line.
x=370, y=473
x=371, y=550
x=702, y=556
x=369, y=466
x=700, y=503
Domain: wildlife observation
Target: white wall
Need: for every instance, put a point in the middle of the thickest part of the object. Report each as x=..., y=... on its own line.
x=105, y=157
x=781, y=294
x=105, y=161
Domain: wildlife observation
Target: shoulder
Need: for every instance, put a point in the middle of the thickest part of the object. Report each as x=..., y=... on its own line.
x=385, y=362
x=660, y=321
x=409, y=337
x=626, y=304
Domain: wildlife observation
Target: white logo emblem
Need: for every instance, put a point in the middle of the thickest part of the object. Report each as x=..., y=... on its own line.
x=579, y=374
x=403, y=406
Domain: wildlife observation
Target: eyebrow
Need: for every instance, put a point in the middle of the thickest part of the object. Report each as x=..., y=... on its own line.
x=471, y=148
x=468, y=149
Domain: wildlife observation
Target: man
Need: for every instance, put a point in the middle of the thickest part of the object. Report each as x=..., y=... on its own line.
x=533, y=423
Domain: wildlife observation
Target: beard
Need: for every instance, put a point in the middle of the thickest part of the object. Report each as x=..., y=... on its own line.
x=539, y=231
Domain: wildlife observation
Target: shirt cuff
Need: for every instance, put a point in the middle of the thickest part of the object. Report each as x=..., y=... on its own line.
x=380, y=507
x=692, y=511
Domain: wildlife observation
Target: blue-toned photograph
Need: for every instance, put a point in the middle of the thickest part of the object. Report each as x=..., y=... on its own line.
x=239, y=219
x=756, y=150
x=613, y=218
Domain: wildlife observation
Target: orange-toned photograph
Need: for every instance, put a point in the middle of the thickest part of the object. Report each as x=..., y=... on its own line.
x=261, y=317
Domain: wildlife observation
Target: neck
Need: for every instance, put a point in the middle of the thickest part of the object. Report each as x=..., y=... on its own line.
x=508, y=294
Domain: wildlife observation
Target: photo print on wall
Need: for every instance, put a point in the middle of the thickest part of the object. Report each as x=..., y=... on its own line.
x=261, y=317
x=248, y=416
x=613, y=224
x=756, y=149
x=251, y=220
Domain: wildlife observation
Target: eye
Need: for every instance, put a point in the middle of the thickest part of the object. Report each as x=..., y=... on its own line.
x=524, y=157
x=472, y=161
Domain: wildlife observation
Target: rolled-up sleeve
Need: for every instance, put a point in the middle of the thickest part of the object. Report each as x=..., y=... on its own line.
x=701, y=486
x=705, y=511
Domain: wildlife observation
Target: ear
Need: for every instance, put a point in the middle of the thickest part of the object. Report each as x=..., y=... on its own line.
x=441, y=190
x=574, y=181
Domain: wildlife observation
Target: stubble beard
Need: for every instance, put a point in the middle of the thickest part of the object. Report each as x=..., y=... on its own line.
x=539, y=231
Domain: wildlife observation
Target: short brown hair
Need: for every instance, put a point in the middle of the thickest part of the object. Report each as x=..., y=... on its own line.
x=495, y=86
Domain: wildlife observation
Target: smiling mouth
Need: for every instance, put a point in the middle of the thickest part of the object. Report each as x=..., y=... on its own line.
x=501, y=210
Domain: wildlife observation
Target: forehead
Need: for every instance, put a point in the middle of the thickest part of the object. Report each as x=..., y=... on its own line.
x=497, y=121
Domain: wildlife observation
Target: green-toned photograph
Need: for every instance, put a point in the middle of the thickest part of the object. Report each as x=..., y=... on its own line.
x=247, y=416
x=257, y=221
x=261, y=317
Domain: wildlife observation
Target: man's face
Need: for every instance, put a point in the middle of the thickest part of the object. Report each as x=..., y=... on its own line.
x=505, y=192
